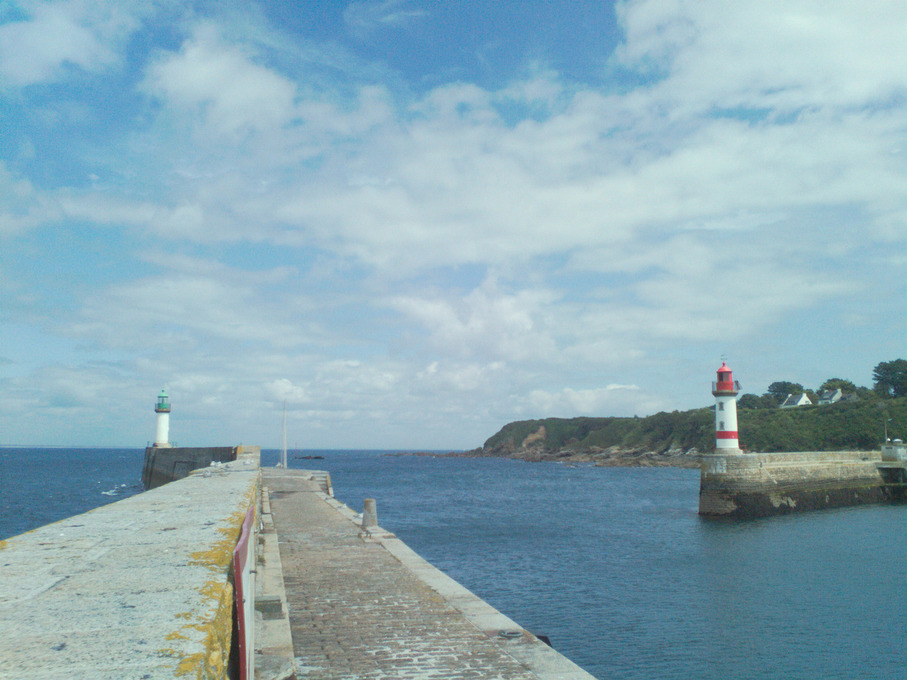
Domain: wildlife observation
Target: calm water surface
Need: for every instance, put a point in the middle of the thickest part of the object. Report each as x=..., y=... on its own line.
x=613, y=564
x=39, y=486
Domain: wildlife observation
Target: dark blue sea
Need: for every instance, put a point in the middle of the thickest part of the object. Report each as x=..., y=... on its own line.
x=612, y=564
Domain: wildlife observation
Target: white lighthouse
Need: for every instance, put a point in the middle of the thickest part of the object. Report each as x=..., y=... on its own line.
x=162, y=431
x=725, y=390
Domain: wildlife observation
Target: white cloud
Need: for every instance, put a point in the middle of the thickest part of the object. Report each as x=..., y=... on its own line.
x=365, y=17
x=284, y=390
x=440, y=377
x=55, y=35
x=22, y=206
x=64, y=404
x=742, y=187
x=778, y=55
x=234, y=95
x=614, y=399
x=456, y=189
x=187, y=308
x=484, y=323
x=452, y=182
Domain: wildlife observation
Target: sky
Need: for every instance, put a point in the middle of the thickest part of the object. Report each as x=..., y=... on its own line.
x=412, y=222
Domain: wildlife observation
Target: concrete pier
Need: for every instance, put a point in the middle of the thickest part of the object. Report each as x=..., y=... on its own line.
x=140, y=589
x=147, y=588
x=362, y=605
x=746, y=485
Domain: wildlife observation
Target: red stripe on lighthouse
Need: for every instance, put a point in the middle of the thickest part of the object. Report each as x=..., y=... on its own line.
x=724, y=434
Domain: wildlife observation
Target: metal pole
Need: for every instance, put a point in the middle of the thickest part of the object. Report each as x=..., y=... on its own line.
x=283, y=454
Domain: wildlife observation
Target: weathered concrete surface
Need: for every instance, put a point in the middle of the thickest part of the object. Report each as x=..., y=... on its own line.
x=362, y=605
x=137, y=589
x=764, y=484
x=273, y=640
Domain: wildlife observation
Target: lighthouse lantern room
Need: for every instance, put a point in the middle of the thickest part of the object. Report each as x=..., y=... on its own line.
x=162, y=431
x=725, y=389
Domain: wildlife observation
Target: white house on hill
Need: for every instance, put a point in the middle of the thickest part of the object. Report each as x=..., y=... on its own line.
x=796, y=400
x=830, y=396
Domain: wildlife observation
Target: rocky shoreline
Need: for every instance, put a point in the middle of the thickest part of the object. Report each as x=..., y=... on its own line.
x=611, y=457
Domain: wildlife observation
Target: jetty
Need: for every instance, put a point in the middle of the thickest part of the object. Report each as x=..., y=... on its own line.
x=733, y=483
x=744, y=485
x=235, y=571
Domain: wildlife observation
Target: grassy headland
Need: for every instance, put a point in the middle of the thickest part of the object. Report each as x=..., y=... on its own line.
x=679, y=437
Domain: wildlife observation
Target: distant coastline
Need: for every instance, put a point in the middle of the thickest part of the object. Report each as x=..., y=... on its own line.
x=682, y=438
x=611, y=457
x=614, y=456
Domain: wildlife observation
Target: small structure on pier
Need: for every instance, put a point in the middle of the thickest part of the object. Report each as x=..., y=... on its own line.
x=743, y=485
x=893, y=467
x=162, y=430
x=165, y=462
x=725, y=389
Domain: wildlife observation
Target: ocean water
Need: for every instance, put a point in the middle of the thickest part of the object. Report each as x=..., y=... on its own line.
x=612, y=564
x=43, y=485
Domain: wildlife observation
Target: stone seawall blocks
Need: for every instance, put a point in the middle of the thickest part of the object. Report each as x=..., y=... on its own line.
x=764, y=484
x=163, y=465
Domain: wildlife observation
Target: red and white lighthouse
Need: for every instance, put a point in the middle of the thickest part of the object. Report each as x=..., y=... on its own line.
x=725, y=390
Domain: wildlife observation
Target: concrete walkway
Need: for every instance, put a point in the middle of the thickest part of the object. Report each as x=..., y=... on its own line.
x=135, y=590
x=362, y=605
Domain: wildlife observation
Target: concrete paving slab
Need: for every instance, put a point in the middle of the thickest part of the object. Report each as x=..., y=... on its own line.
x=137, y=589
x=364, y=606
x=274, y=658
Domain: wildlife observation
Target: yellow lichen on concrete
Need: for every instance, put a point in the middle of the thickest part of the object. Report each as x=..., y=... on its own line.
x=220, y=556
x=211, y=662
x=217, y=630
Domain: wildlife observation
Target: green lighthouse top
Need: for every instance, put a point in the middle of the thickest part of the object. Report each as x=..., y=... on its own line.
x=163, y=403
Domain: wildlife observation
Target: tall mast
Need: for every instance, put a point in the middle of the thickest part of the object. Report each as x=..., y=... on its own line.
x=283, y=456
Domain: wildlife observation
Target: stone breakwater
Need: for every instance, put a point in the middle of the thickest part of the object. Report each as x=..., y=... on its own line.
x=167, y=464
x=765, y=484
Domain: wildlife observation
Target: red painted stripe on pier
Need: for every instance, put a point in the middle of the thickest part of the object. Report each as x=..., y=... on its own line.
x=726, y=435
x=240, y=559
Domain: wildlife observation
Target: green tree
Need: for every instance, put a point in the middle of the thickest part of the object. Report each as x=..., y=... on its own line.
x=838, y=384
x=781, y=388
x=753, y=401
x=890, y=378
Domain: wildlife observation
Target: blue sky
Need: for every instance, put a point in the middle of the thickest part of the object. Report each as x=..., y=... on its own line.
x=414, y=222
